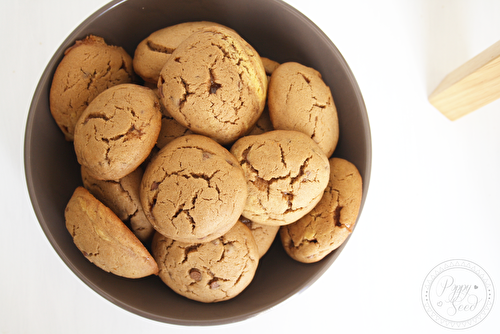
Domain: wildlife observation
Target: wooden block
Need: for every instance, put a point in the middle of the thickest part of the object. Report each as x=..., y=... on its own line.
x=471, y=86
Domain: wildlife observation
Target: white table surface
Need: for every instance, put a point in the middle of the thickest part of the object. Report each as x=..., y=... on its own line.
x=433, y=195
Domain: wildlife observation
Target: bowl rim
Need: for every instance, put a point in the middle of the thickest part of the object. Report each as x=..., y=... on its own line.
x=29, y=172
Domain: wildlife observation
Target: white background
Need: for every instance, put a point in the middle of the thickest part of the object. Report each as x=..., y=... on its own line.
x=433, y=195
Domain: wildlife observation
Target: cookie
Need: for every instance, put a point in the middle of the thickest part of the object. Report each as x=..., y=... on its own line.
x=208, y=272
x=88, y=68
x=152, y=52
x=264, y=235
x=170, y=128
x=269, y=65
x=263, y=124
x=214, y=83
x=193, y=190
x=286, y=175
x=329, y=224
x=299, y=99
x=117, y=131
x=104, y=239
x=122, y=197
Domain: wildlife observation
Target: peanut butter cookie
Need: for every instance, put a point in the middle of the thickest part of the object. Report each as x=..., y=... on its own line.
x=329, y=224
x=104, y=239
x=208, y=272
x=170, y=128
x=264, y=235
x=214, y=83
x=88, y=68
x=269, y=65
x=117, y=131
x=152, y=52
x=122, y=197
x=300, y=100
x=193, y=190
x=263, y=124
x=286, y=174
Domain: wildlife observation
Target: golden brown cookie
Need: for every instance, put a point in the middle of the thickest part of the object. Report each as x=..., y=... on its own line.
x=286, y=175
x=104, y=239
x=170, y=128
x=263, y=124
x=88, y=68
x=264, y=235
x=152, y=52
x=193, y=190
x=300, y=100
x=214, y=83
x=122, y=197
x=269, y=65
x=329, y=224
x=117, y=131
x=208, y=272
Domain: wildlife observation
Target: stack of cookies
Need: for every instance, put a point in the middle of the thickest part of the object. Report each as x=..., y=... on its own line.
x=196, y=154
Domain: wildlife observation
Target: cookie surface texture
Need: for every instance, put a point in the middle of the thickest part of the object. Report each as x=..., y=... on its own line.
x=208, y=272
x=122, y=197
x=104, y=239
x=117, y=131
x=152, y=52
x=329, y=224
x=286, y=174
x=214, y=83
x=193, y=190
x=300, y=100
x=88, y=68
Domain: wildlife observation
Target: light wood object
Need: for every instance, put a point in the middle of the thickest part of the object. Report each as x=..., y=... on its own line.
x=471, y=86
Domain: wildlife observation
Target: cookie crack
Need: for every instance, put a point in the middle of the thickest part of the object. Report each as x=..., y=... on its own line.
x=186, y=94
x=96, y=116
x=302, y=171
x=214, y=86
x=282, y=152
x=306, y=79
x=188, y=250
x=159, y=48
x=337, y=213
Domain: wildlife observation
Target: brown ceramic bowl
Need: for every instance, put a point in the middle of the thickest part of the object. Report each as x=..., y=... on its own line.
x=277, y=31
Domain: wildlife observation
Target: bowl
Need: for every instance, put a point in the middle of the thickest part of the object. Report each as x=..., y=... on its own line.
x=277, y=31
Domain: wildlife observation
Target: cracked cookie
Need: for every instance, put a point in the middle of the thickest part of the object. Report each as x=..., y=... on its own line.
x=214, y=83
x=88, y=68
x=329, y=224
x=117, y=131
x=286, y=175
x=208, y=272
x=152, y=52
x=299, y=99
x=104, y=239
x=264, y=235
x=122, y=197
x=193, y=190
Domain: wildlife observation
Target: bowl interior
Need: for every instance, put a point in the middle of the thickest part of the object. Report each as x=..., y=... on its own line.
x=276, y=31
